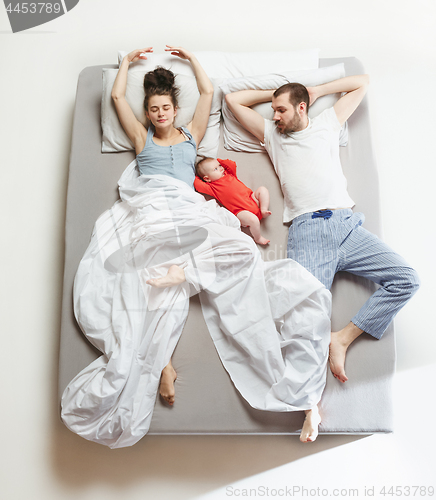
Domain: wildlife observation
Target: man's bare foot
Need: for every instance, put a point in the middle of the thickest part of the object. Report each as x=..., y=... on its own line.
x=337, y=351
x=166, y=388
x=265, y=213
x=175, y=276
x=262, y=241
x=309, y=432
x=339, y=344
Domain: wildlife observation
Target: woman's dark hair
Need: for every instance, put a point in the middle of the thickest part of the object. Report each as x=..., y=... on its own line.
x=160, y=81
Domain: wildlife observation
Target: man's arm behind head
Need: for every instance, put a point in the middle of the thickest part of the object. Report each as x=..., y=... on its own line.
x=239, y=104
x=355, y=88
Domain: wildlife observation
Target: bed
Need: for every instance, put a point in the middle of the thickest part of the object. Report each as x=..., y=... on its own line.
x=361, y=406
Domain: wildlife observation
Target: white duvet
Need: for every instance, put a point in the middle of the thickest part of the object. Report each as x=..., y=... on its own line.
x=269, y=320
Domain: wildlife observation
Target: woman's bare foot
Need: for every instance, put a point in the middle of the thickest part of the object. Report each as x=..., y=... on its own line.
x=309, y=432
x=166, y=388
x=175, y=276
x=265, y=213
x=339, y=344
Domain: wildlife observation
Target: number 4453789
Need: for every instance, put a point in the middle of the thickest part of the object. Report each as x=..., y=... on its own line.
x=33, y=8
x=412, y=491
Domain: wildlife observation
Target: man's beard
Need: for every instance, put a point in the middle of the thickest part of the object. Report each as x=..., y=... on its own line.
x=293, y=126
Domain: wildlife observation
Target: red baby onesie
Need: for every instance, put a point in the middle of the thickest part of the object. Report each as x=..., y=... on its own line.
x=229, y=190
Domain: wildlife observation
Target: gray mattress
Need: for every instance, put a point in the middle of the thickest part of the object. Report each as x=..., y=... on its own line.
x=206, y=400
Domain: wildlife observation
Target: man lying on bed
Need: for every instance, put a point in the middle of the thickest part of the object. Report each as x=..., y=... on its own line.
x=325, y=235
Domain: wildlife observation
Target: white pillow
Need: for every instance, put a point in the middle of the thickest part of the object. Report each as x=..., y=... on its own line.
x=114, y=137
x=231, y=64
x=236, y=138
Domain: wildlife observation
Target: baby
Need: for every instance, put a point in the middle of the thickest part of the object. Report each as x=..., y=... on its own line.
x=218, y=179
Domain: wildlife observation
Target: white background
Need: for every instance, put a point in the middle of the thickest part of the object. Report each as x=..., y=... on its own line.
x=41, y=459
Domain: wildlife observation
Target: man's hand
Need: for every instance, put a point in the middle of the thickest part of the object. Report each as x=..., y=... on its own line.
x=313, y=95
x=355, y=88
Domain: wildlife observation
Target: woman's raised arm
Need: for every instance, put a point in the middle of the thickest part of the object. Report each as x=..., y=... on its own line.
x=202, y=112
x=134, y=129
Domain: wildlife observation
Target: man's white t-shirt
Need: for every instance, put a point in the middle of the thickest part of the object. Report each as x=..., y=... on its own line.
x=308, y=165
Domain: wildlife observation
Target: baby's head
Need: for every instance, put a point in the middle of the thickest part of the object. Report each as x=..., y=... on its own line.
x=210, y=169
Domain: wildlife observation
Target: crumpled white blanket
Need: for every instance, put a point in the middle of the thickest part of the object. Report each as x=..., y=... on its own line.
x=269, y=320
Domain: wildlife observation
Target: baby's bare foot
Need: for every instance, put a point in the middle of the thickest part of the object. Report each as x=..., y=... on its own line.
x=265, y=213
x=175, y=276
x=262, y=241
x=166, y=388
x=309, y=432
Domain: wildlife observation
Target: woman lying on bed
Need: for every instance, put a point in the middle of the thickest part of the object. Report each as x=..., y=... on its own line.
x=159, y=244
x=161, y=108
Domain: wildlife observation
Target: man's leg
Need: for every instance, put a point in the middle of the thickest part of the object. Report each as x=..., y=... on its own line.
x=339, y=343
x=363, y=254
x=314, y=243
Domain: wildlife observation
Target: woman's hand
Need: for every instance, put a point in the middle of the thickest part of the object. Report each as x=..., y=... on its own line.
x=180, y=52
x=199, y=122
x=137, y=54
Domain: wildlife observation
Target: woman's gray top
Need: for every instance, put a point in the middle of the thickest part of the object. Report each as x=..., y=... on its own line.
x=176, y=161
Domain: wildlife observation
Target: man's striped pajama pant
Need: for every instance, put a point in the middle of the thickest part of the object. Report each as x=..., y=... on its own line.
x=340, y=243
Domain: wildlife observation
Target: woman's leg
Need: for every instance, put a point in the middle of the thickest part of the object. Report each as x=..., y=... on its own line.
x=243, y=305
x=166, y=387
x=175, y=276
x=309, y=432
x=269, y=322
